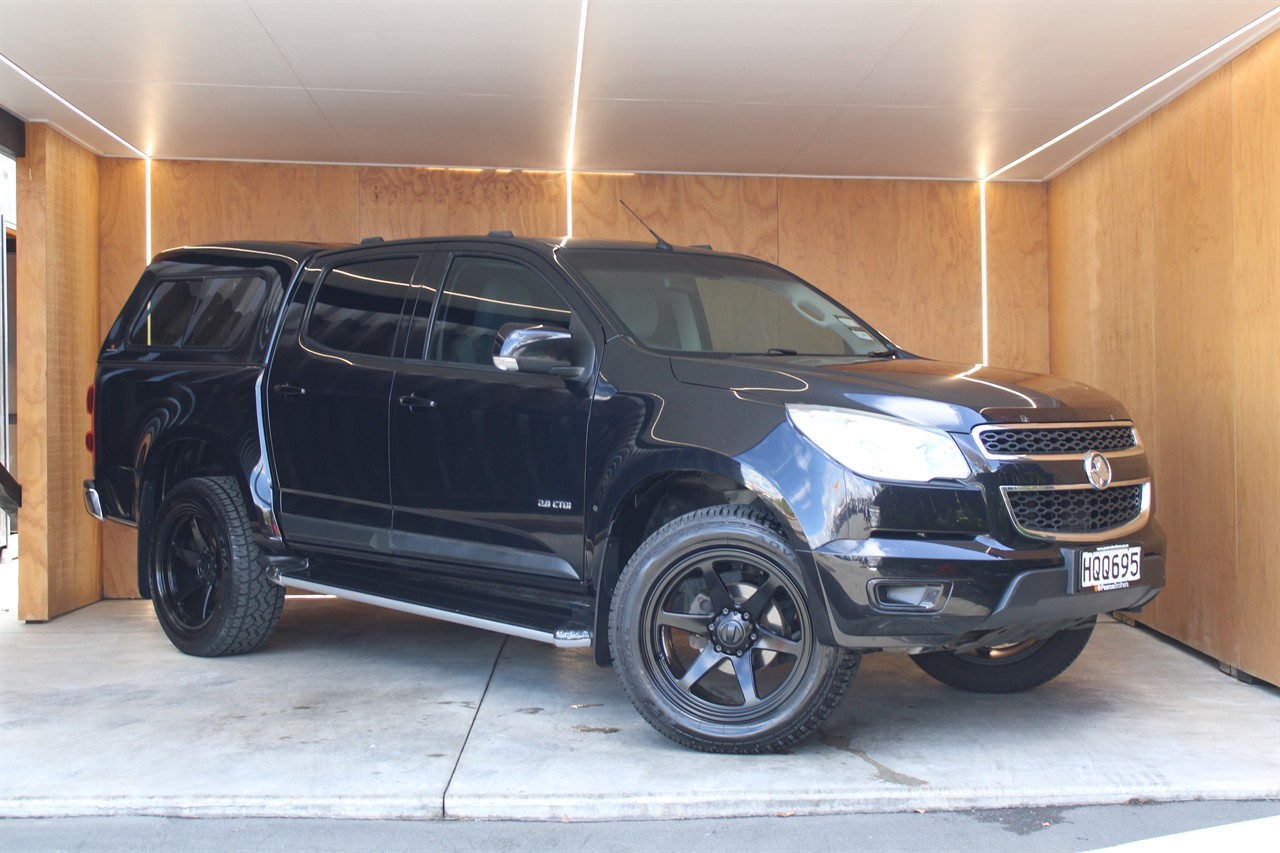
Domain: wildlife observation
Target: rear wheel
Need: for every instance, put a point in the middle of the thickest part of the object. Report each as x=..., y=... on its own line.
x=209, y=593
x=712, y=638
x=1010, y=668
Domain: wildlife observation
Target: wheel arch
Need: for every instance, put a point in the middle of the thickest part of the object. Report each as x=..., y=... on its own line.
x=660, y=497
x=179, y=457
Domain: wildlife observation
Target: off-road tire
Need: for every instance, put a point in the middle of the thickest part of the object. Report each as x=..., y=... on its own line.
x=710, y=565
x=1007, y=669
x=210, y=594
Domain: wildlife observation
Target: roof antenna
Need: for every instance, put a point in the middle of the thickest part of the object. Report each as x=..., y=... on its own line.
x=662, y=244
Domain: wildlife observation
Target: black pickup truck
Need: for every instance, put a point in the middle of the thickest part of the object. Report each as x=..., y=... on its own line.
x=724, y=482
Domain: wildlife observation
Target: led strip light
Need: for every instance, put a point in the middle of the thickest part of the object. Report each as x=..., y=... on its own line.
x=573, y=124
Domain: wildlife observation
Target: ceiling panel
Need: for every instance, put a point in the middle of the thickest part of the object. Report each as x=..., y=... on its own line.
x=191, y=41
x=818, y=87
x=903, y=142
x=500, y=47
x=673, y=136
x=798, y=52
x=24, y=99
x=450, y=130
x=211, y=122
x=1058, y=55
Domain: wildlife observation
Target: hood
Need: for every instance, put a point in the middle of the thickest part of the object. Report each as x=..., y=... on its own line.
x=954, y=397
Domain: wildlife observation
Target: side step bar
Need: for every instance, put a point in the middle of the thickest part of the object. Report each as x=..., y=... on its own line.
x=561, y=638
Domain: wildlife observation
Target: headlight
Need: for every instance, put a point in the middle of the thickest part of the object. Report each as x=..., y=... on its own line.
x=878, y=447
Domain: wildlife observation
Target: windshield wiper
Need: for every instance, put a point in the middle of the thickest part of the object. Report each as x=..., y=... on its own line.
x=880, y=353
x=780, y=351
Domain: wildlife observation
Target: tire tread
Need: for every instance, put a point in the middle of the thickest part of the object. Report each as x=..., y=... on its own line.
x=253, y=603
x=754, y=524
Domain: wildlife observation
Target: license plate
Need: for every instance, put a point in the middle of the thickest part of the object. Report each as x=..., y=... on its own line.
x=1113, y=567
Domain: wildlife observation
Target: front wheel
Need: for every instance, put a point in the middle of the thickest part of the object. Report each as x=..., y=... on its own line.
x=209, y=593
x=712, y=638
x=1010, y=668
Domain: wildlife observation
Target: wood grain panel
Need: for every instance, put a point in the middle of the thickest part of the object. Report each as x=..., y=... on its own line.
x=1202, y=177
x=398, y=203
x=203, y=202
x=1195, y=492
x=1255, y=157
x=122, y=212
x=732, y=214
x=122, y=218
x=904, y=255
x=1102, y=309
x=58, y=329
x=1018, y=275
x=32, y=387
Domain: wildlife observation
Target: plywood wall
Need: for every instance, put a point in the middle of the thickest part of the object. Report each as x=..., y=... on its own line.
x=1164, y=283
x=731, y=214
x=1018, y=275
x=58, y=334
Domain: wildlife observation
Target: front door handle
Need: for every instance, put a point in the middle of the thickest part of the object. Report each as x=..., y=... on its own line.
x=288, y=389
x=413, y=402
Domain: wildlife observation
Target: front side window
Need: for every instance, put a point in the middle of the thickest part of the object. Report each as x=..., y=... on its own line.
x=719, y=305
x=357, y=308
x=210, y=313
x=481, y=297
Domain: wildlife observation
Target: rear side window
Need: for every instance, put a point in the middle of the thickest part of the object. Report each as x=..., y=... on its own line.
x=357, y=308
x=210, y=313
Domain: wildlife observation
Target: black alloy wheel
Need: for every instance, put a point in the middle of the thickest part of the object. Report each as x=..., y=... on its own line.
x=713, y=640
x=208, y=590
x=192, y=563
x=727, y=635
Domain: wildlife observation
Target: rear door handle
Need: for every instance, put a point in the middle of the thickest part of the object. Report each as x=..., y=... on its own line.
x=286, y=389
x=413, y=402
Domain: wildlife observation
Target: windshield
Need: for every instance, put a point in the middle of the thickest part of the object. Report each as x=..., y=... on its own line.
x=714, y=304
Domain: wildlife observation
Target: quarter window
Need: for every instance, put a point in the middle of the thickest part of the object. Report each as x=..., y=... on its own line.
x=481, y=296
x=358, y=306
x=210, y=313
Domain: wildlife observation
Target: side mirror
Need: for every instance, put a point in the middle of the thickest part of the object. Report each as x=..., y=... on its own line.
x=545, y=350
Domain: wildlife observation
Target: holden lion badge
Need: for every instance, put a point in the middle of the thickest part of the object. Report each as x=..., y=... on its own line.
x=1097, y=469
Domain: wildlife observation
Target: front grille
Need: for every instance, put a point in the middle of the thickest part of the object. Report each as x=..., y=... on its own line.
x=1056, y=440
x=1058, y=512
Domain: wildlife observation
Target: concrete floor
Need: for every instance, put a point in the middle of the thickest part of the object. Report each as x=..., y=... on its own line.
x=355, y=712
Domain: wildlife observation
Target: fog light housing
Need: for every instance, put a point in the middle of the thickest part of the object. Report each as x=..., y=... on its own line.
x=909, y=596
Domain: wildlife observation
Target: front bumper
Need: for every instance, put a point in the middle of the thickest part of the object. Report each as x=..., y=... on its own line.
x=984, y=594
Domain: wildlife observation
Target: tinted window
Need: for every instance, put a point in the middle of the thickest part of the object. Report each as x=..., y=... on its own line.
x=716, y=304
x=209, y=312
x=226, y=312
x=481, y=295
x=357, y=308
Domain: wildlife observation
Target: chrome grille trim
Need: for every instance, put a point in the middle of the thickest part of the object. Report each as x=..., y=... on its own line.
x=981, y=431
x=1130, y=526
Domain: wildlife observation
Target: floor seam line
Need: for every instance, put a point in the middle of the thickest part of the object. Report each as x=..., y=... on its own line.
x=444, y=796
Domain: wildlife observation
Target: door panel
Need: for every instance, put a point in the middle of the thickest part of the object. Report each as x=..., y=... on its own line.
x=487, y=465
x=328, y=394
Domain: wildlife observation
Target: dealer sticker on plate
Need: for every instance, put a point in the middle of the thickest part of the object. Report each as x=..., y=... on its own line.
x=1113, y=567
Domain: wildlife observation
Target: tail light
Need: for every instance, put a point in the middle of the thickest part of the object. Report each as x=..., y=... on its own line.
x=89, y=400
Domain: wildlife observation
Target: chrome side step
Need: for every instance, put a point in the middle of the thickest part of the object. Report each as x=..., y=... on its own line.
x=564, y=639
